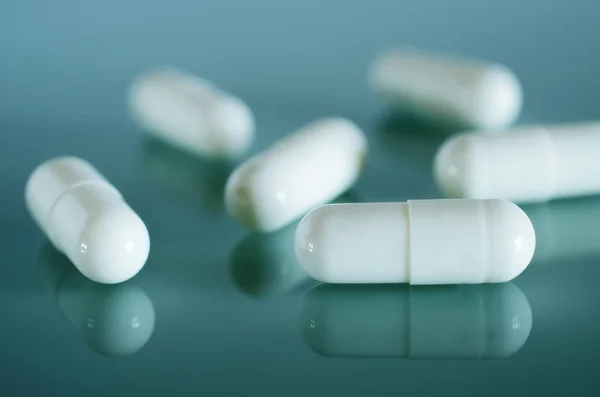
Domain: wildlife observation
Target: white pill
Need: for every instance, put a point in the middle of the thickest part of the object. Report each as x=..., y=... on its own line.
x=417, y=242
x=449, y=89
x=86, y=218
x=191, y=114
x=460, y=322
x=529, y=164
x=309, y=168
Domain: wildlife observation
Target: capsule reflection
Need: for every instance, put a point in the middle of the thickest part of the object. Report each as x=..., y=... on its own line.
x=397, y=321
x=265, y=265
x=114, y=319
x=565, y=229
x=190, y=179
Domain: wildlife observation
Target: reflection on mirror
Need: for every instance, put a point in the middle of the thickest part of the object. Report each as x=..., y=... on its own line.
x=188, y=178
x=114, y=319
x=264, y=265
x=565, y=229
x=433, y=322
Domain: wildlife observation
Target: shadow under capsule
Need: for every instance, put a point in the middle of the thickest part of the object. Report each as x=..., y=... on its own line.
x=188, y=178
x=114, y=320
x=399, y=321
x=264, y=265
x=565, y=229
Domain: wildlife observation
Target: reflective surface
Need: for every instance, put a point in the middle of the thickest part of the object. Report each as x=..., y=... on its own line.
x=443, y=322
x=220, y=311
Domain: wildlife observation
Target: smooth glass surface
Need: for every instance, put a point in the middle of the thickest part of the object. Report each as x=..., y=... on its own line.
x=218, y=311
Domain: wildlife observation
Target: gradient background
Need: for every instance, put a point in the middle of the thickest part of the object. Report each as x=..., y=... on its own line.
x=65, y=68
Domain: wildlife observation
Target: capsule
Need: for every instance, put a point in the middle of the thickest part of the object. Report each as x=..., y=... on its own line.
x=191, y=114
x=442, y=322
x=418, y=242
x=115, y=320
x=448, y=89
x=86, y=218
x=309, y=168
x=524, y=165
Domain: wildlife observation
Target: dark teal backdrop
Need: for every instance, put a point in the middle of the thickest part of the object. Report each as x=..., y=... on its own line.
x=212, y=313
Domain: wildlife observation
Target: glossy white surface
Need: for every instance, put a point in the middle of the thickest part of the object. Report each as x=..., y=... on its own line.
x=470, y=322
x=447, y=88
x=309, y=168
x=86, y=218
x=528, y=164
x=419, y=242
x=191, y=114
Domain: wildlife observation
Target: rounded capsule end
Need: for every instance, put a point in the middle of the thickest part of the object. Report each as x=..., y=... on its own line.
x=308, y=245
x=239, y=196
x=499, y=99
x=234, y=119
x=113, y=247
x=513, y=240
x=452, y=167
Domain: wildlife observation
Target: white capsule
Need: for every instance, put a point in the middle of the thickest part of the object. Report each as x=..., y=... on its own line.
x=417, y=242
x=529, y=164
x=309, y=168
x=447, y=88
x=86, y=218
x=468, y=321
x=191, y=114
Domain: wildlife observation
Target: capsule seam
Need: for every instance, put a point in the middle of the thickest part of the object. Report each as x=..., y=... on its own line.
x=76, y=185
x=484, y=223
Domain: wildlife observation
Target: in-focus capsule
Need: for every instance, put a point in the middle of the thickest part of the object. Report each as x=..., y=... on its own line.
x=449, y=322
x=417, y=242
x=191, y=114
x=447, y=88
x=529, y=164
x=115, y=320
x=309, y=168
x=86, y=218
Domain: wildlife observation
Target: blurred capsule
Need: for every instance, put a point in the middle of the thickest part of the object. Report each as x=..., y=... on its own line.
x=196, y=181
x=191, y=113
x=565, y=229
x=470, y=321
x=447, y=88
x=115, y=320
x=310, y=167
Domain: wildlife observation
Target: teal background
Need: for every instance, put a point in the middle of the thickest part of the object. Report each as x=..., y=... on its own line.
x=208, y=321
